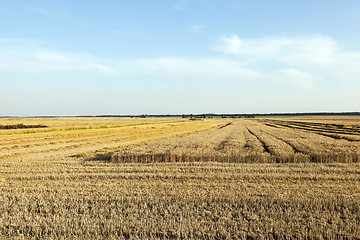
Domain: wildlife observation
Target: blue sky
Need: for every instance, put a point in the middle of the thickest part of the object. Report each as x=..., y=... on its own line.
x=75, y=57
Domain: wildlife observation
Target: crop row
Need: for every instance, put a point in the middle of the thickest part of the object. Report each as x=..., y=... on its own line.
x=338, y=131
x=88, y=141
x=179, y=200
x=246, y=141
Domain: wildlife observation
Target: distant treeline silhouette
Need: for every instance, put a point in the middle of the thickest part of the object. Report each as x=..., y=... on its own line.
x=204, y=115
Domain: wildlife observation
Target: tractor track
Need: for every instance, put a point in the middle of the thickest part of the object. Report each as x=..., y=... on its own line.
x=328, y=133
x=266, y=148
x=228, y=124
x=295, y=149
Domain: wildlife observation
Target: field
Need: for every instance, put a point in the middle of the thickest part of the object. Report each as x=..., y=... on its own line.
x=150, y=178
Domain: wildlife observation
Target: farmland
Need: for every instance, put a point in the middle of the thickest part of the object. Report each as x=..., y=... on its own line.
x=256, y=141
x=175, y=178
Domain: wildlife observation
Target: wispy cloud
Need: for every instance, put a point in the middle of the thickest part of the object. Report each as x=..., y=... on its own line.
x=28, y=56
x=205, y=69
x=180, y=5
x=198, y=28
x=53, y=10
x=317, y=48
x=306, y=63
x=306, y=60
x=298, y=78
x=19, y=41
x=230, y=45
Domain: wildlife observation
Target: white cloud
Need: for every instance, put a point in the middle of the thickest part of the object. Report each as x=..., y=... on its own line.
x=298, y=78
x=317, y=49
x=19, y=42
x=317, y=65
x=307, y=62
x=21, y=57
x=205, y=68
x=345, y=67
x=105, y=69
x=307, y=59
x=312, y=51
x=27, y=56
x=231, y=45
x=51, y=56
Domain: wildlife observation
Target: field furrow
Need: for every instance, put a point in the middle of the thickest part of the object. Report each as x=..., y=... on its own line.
x=259, y=142
x=264, y=145
x=95, y=139
x=317, y=147
x=336, y=131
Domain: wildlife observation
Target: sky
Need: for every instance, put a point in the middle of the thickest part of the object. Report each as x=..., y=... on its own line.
x=90, y=57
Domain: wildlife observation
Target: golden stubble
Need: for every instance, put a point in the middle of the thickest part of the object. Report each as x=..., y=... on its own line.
x=63, y=185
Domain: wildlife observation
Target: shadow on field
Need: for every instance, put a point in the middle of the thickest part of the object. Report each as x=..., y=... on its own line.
x=105, y=158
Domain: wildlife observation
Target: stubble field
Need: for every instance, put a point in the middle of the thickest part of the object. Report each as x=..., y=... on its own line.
x=96, y=178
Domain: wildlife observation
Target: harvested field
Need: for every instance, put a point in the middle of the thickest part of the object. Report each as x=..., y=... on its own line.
x=255, y=141
x=89, y=137
x=179, y=179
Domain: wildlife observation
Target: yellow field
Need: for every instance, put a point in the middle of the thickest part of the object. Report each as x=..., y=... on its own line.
x=88, y=137
x=264, y=140
x=96, y=178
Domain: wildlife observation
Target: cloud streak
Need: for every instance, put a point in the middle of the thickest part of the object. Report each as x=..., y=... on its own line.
x=20, y=56
x=27, y=56
x=298, y=78
x=51, y=9
x=205, y=68
x=307, y=63
x=198, y=28
x=304, y=61
x=318, y=49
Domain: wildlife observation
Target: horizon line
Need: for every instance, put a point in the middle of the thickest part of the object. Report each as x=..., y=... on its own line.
x=354, y=113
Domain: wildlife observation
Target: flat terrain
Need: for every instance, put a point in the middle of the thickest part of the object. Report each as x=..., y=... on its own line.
x=175, y=178
x=260, y=140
